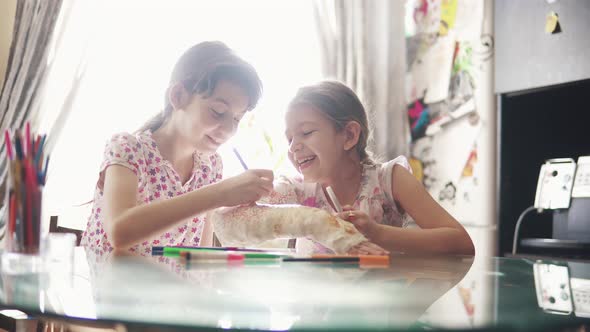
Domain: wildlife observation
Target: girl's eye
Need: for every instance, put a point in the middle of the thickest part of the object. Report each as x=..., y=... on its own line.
x=307, y=133
x=215, y=113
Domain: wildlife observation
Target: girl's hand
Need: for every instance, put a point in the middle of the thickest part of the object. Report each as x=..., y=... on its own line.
x=359, y=219
x=245, y=188
x=367, y=248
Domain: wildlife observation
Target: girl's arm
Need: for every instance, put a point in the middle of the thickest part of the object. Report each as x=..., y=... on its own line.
x=127, y=223
x=439, y=233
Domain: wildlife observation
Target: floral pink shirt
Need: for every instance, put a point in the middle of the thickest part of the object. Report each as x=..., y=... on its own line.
x=157, y=181
x=375, y=198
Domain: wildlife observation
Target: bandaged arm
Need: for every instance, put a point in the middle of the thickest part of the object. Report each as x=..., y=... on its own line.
x=251, y=225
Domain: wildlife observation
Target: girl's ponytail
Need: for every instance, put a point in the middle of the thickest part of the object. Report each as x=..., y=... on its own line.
x=156, y=121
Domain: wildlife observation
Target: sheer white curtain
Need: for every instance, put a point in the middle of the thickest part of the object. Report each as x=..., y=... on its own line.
x=363, y=45
x=129, y=58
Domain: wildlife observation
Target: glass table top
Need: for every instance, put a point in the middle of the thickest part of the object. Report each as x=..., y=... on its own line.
x=415, y=292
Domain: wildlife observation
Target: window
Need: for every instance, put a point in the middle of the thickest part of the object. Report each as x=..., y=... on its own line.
x=129, y=59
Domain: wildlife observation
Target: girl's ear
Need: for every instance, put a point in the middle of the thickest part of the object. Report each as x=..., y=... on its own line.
x=178, y=96
x=352, y=132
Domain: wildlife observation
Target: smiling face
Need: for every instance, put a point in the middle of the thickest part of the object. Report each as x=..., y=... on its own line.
x=209, y=121
x=316, y=147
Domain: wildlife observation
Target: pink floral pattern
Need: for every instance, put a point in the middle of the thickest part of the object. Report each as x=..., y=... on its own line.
x=375, y=197
x=157, y=181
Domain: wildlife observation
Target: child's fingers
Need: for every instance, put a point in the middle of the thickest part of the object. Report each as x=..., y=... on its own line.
x=347, y=208
x=367, y=248
x=351, y=215
x=264, y=173
x=343, y=215
x=377, y=250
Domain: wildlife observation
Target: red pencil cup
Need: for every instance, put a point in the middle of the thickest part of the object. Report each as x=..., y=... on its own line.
x=23, y=200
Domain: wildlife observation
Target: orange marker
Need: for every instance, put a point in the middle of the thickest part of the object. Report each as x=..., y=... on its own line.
x=368, y=260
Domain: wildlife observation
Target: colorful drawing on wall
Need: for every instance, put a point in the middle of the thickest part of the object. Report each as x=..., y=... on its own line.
x=448, y=12
x=483, y=50
x=468, y=169
x=460, y=100
x=462, y=82
x=448, y=193
x=421, y=152
x=417, y=169
x=419, y=118
x=422, y=16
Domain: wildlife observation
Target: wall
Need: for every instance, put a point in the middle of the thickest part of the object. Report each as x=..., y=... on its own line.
x=530, y=57
x=451, y=108
x=7, y=11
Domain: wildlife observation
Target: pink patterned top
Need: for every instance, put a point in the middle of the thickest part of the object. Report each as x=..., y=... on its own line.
x=375, y=198
x=157, y=181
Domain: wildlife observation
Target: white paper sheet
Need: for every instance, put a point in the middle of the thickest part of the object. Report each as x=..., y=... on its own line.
x=451, y=148
x=469, y=19
x=438, y=63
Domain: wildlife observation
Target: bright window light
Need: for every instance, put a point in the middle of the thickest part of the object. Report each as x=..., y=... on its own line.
x=129, y=60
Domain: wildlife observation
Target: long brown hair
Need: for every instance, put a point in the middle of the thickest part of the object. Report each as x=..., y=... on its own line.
x=340, y=105
x=200, y=68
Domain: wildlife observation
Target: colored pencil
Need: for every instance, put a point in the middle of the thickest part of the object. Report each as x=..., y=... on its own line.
x=8, y=144
x=334, y=199
x=240, y=159
x=25, y=184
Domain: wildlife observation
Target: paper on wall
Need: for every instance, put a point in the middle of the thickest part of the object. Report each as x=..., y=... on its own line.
x=425, y=16
x=416, y=83
x=438, y=63
x=451, y=148
x=436, y=125
x=448, y=14
x=469, y=19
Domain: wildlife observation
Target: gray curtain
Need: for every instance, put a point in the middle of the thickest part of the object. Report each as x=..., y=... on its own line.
x=27, y=64
x=363, y=45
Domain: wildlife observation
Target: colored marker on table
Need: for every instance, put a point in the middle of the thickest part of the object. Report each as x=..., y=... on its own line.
x=344, y=259
x=373, y=260
x=195, y=257
x=173, y=251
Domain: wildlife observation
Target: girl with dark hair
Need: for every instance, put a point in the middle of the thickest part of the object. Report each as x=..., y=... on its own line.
x=155, y=185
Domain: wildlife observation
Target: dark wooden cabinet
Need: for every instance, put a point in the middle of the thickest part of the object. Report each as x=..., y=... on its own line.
x=527, y=57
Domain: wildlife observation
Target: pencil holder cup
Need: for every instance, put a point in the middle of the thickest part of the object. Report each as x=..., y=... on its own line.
x=23, y=201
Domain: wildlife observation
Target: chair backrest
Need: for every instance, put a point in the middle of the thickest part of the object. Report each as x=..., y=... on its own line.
x=54, y=228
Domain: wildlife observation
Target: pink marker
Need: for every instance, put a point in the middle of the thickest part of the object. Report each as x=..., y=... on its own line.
x=8, y=144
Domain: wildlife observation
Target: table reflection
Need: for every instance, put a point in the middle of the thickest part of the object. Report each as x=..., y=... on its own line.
x=274, y=296
x=429, y=292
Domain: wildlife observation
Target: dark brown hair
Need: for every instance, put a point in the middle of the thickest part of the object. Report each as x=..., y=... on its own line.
x=340, y=105
x=200, y=68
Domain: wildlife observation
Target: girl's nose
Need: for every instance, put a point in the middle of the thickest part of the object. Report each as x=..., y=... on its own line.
x=295, y=146
x=229, y=126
